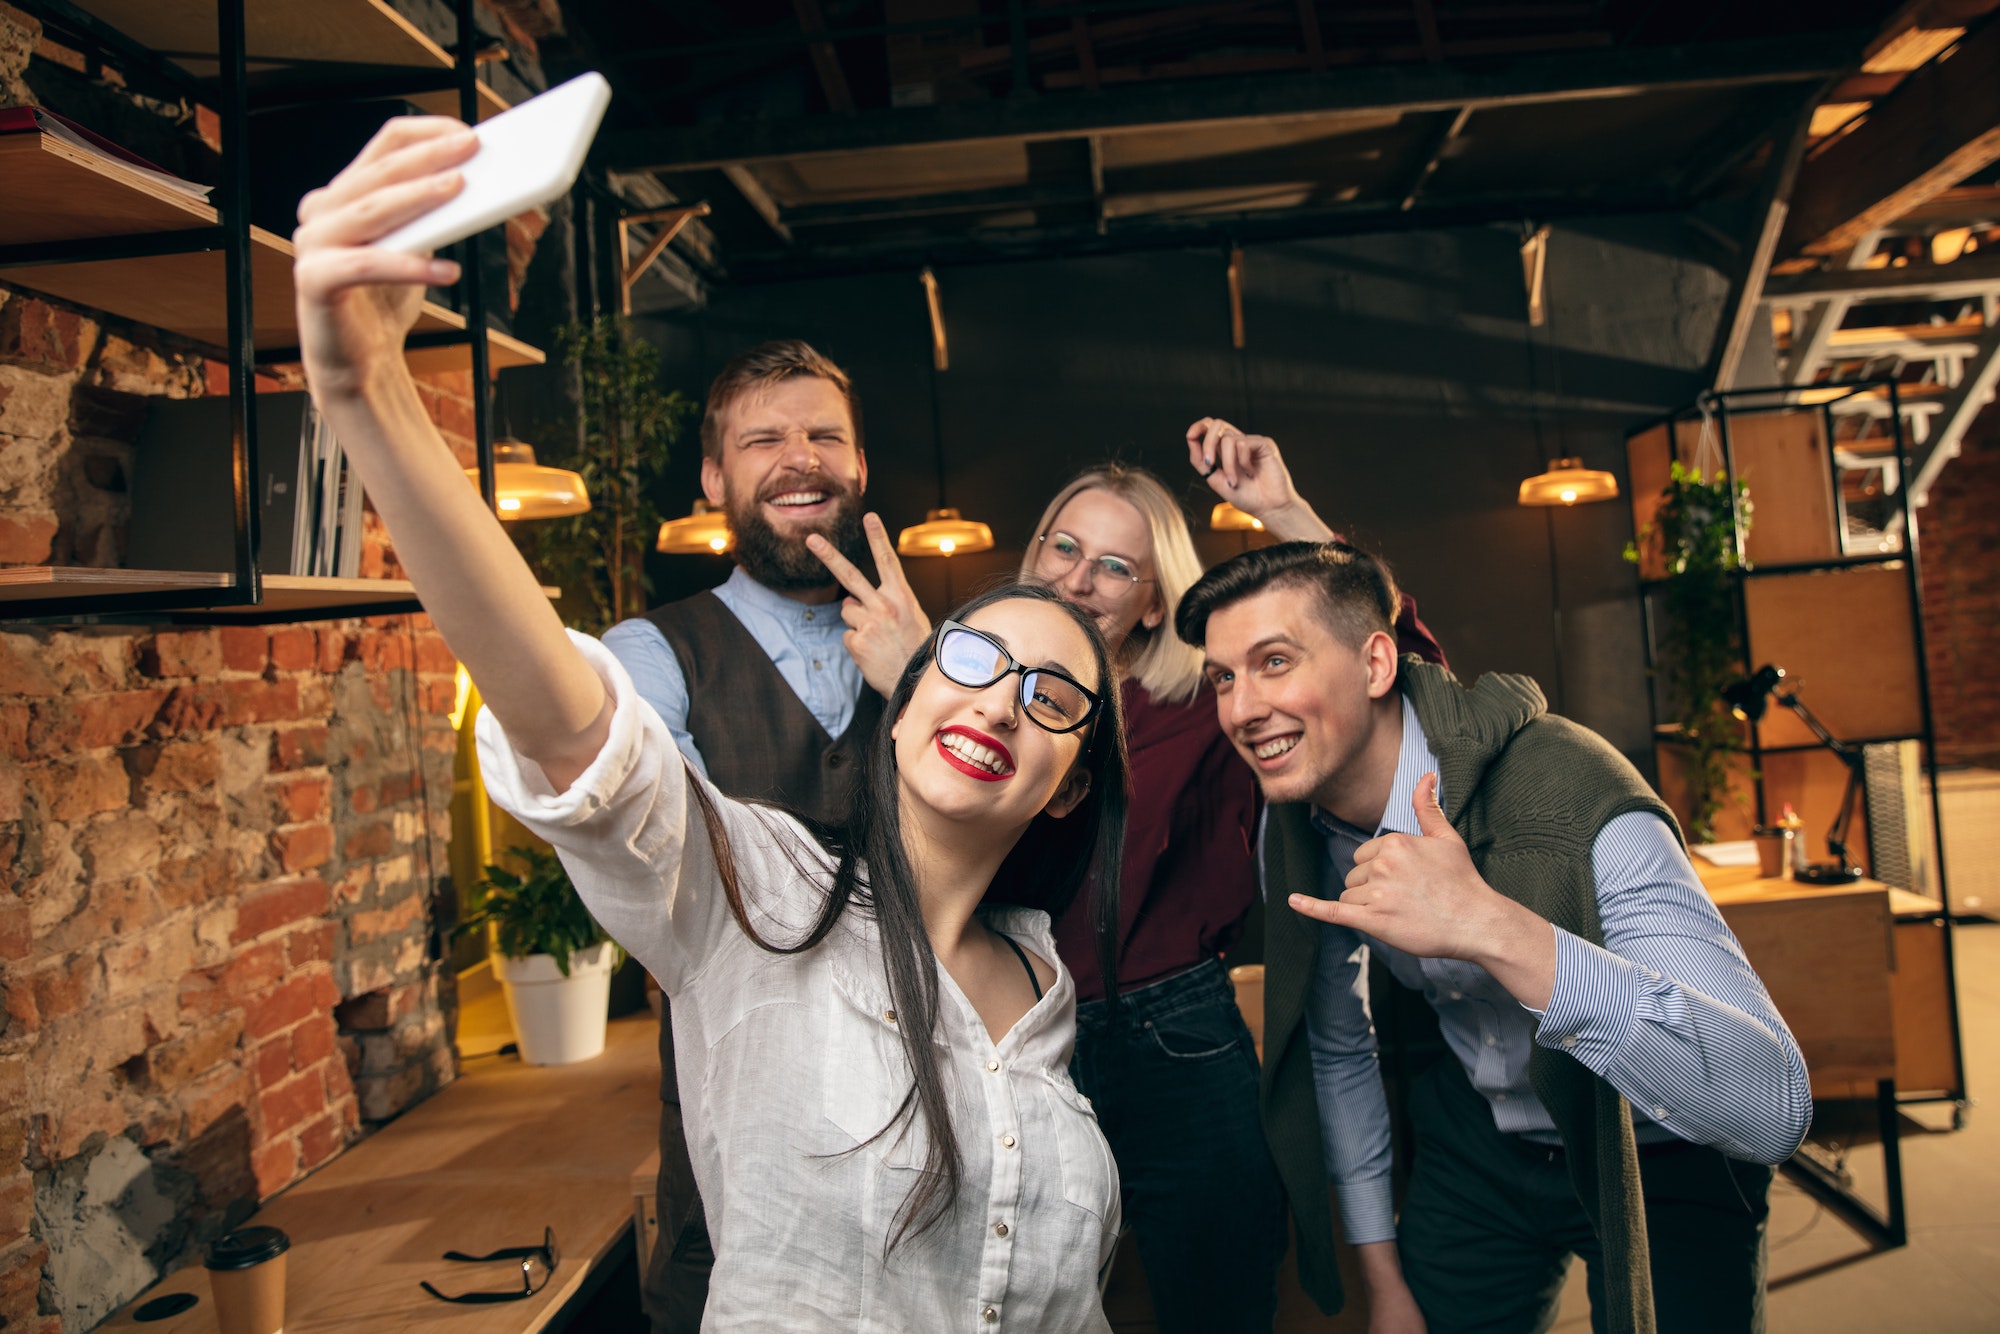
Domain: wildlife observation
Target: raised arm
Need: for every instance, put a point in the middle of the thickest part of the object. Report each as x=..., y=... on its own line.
x=355, y=304
x=1250, y=473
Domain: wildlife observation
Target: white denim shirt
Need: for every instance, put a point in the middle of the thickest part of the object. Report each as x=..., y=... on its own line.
x=789, y=1063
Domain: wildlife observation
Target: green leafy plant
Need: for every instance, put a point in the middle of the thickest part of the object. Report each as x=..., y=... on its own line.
x=1696, y=528
x=534, y=912
x=598, y=558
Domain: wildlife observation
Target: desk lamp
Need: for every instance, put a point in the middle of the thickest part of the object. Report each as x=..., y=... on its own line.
x=1747, y=699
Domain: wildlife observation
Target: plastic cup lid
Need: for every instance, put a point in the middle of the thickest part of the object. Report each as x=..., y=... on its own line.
x=248, y=1246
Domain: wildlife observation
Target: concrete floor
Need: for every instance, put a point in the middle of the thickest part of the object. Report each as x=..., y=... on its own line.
x=1824, y=1279
x=1947, y=1280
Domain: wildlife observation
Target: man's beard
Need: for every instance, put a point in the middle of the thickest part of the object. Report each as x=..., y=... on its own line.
x=785, y=563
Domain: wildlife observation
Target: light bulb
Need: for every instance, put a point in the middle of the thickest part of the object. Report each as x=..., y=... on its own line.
x=1569, y=496
x=947, y=546
x=718, y=544
x=509, y=503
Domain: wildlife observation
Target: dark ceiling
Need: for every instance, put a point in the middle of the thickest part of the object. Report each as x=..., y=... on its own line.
x=834, y=135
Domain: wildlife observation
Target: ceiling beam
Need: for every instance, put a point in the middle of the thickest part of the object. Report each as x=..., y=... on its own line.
x=1973, y=392
x=1975, y=275
x=1939, y=127
x=870, y=254
x=758, y=198
x=1558, y=77
x=826, y=60
x=1788, y=150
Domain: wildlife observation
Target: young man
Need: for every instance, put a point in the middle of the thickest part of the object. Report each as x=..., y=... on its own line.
x=752, y=678
x=1620, y=1080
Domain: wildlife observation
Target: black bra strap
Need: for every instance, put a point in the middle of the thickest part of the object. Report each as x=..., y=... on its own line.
x=1022, y=955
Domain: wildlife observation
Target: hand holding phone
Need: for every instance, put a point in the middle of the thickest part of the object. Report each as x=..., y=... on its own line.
x=527, y=156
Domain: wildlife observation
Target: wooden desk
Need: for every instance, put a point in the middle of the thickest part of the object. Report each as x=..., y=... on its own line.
x=489, y=1162
x=1858, y=971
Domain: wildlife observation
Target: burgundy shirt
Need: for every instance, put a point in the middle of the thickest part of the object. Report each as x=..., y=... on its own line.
x=1190, y=838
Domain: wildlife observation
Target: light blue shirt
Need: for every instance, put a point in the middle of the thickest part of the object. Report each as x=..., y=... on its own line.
x=803, y=641
x=1668, y=1012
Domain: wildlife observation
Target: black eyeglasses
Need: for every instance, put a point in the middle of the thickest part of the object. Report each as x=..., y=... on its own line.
x=537, y=1263
x=1052, y=699
x=1061, y=552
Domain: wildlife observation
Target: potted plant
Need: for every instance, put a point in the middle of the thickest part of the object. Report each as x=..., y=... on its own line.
x=553, y=960
x=1698, y=530
x=629, y=424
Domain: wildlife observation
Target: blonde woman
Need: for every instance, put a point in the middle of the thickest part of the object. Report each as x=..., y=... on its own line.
x=872, y=1059
x=1169, y=1065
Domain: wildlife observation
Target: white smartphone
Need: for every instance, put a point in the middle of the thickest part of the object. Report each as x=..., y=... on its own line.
x=527, y=156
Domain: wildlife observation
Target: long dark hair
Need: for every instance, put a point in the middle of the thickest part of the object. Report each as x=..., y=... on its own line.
x=872, y=872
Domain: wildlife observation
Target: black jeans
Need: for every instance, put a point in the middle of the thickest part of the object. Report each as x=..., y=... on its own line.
x=1491, y=1221
x=1174, y=1082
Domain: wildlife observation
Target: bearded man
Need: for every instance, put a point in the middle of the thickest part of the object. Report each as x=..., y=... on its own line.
x=752, y=678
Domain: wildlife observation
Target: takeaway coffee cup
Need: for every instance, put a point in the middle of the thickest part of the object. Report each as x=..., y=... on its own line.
x=246, y=1272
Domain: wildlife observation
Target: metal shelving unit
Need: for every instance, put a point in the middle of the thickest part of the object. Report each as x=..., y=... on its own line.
x=85, y=231
x=1896, y=548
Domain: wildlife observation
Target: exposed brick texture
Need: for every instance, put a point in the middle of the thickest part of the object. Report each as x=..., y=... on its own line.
x=221, y=849
x=1960, y=535
x=219, y=853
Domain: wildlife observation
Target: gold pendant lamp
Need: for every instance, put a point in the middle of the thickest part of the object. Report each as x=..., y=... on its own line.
x=1568, y=482
x=705, y=532
x=944, y=531
x=524, y=489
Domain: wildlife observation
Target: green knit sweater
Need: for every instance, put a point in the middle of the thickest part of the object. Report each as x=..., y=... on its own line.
x=1528, y=792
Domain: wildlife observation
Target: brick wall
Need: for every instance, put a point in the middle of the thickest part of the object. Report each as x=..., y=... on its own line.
x=223, y=878
x=1960, y=533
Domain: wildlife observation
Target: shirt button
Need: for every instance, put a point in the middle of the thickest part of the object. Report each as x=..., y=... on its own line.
x=889, y=1016
x=809, y=616
x=993, y=1067
x=1006, y=1141
x=1458, y=995
x=999, y=1229
x=1491, y=1040
x=816, y=664
x=989, y=1315
x=1570, y=1040
x=1659, y=1113
x=1499, y=1097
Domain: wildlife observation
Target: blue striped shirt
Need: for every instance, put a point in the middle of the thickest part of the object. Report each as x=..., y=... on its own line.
x=803, y=639
x=1668, y=1012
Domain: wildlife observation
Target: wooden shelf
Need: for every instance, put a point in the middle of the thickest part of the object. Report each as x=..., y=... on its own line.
x=56, y=192
x=285, y=595
x=292, y=43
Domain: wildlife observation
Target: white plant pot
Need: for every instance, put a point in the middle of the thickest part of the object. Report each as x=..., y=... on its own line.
x=558, y=1019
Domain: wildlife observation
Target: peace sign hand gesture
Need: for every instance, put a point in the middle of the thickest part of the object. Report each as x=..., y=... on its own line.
x=885, y=624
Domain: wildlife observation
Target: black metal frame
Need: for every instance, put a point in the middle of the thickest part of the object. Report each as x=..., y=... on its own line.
x=231, y=235
x=1886, y=1229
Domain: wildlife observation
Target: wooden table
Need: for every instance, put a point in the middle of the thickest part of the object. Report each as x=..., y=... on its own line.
x=1858, y=971
x=488, y=1162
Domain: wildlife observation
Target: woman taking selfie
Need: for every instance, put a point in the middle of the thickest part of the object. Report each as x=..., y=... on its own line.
x=1172, y=1070
x=883, y=1128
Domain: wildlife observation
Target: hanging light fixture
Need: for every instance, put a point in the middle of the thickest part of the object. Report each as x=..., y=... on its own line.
x=1568, y=482
x=944, y=531
x=524, y=489
x=705, y=532
x=1226, y=518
